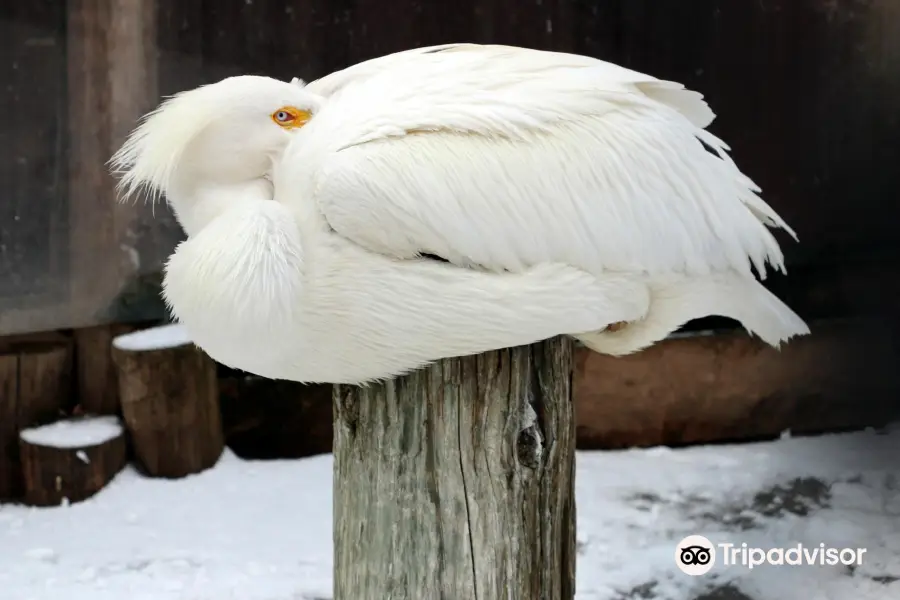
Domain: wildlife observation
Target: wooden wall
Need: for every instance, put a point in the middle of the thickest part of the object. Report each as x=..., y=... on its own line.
x=806, y=91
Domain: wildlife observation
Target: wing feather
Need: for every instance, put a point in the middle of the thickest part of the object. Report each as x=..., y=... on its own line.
x=503, y=158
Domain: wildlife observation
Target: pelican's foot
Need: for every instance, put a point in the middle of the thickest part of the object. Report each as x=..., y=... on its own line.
x=616, y=326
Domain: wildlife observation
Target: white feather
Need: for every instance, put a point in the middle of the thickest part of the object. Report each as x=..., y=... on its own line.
x=568, y=194
x=345, y=315
x=502, y=158
x=553, y=159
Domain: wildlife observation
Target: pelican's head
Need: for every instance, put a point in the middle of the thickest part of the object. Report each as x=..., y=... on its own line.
x=218, y=137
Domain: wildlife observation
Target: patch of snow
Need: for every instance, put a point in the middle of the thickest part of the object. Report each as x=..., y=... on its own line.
x=84, y=432
x=153, y=338
x=261, y=530
x=83, y=457
x=41, y=554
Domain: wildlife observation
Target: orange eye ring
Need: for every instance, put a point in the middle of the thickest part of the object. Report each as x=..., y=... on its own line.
x=290, y=117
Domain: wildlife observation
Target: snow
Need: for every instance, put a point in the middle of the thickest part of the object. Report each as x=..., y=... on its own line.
x=153, y=338
x=261, y=530
x=84, y=432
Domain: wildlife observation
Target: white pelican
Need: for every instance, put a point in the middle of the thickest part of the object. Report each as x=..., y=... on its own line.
x=566, y=194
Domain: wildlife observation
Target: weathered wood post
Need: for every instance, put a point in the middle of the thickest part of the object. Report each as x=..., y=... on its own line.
x=457, y=481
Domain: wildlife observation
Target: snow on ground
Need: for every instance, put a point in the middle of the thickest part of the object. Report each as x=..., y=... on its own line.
x=262, y=530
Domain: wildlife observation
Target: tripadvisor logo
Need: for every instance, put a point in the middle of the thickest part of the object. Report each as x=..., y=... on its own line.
x=695, y=555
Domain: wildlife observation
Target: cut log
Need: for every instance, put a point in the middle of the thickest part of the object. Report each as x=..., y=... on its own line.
x=71, y=460
x=170, y=401
x=34, y=389
x=457, y=481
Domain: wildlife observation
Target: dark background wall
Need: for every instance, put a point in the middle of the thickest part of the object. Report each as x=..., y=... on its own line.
x=807, y=93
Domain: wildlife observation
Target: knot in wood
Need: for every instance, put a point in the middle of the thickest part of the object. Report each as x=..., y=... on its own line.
x=530, y=443
x=529, y=447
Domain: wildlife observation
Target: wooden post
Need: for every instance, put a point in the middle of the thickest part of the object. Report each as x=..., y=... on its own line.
x=457, y=481
x=71, y=460
x=170, y=401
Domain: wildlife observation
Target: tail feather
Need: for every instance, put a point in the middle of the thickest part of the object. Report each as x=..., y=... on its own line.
x=724, y=294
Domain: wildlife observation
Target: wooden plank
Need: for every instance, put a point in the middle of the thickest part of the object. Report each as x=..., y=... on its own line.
x=112, y=82
x=596, y=29
x=44, y=383
x=9, y=343
x=542, y=24
x=457, y=481
x=278, y=38
x=96, y=377
x=375, y=28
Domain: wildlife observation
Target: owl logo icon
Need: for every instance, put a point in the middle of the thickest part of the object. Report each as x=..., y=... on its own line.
x=695, y=555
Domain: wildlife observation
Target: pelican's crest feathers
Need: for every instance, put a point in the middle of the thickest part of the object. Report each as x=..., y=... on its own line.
x=149, y=156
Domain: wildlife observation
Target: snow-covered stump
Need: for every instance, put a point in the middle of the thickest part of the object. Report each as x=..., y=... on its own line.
x=71, y=460
x=457, y=481
x=35, y=387
x=170, y=401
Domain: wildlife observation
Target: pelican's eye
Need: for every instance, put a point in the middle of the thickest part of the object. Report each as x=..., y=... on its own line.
x=290, y=117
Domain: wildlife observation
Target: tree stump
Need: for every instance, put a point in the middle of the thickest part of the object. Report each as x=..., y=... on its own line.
x=71, y=460
x=170, y=401
x=34, y=389
x=457, y=481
